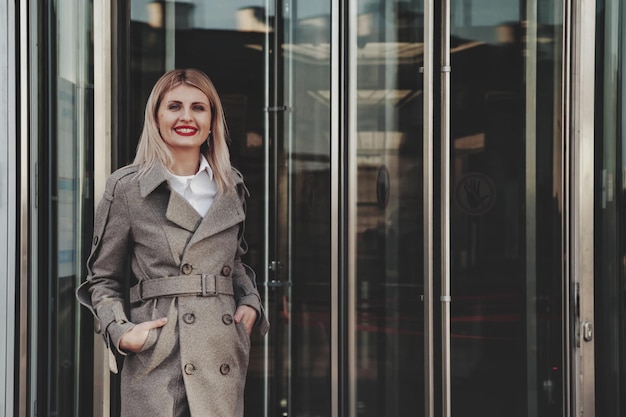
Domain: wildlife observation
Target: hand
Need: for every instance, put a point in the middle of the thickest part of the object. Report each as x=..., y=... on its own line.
x=247, y=315
x=134, y=339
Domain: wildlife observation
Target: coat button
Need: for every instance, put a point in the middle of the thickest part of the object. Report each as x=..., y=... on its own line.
x=226, y=271
x=95, y=240
x=189, y=318
x=190, y=369
x=187, y=269
x=224, y=369
x=227, y=319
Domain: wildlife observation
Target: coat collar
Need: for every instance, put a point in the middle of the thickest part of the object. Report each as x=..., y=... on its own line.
x=151, y=179
x=157, y=175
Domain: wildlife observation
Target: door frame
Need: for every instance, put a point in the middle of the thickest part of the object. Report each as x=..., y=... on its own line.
x=103, y=146
x=578, y=112
x=12, y=139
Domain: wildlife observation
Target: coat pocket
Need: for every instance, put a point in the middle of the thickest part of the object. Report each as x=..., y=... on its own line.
x=153, y=335
x=243, y=336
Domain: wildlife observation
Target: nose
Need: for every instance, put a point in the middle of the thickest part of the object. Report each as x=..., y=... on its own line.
x=186, y=114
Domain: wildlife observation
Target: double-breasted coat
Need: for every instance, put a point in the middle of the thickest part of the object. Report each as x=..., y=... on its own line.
x=184, y=267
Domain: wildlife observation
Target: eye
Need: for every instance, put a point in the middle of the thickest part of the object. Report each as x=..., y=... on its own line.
x=198, y=107
x=173, y=106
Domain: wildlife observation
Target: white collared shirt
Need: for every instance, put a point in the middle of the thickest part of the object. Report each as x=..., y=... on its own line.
x=198, y=189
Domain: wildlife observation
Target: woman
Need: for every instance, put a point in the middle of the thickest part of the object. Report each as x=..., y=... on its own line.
x=175, y=217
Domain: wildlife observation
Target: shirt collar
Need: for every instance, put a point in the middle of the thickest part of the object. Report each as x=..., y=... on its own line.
x=181, y=182
x=158, y=175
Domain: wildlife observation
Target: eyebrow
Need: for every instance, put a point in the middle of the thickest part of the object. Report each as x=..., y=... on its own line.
x=195, y=102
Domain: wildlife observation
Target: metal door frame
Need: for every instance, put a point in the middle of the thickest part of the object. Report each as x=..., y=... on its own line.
x=578, y=293
x=10, y=142
x=428, y=205
x=338, y=238
x=103, y=128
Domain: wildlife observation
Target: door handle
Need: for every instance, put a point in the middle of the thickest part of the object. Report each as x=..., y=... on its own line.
x=587, y=331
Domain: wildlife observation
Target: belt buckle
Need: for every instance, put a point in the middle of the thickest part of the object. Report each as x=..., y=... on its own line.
x=140, y=291
x=203, y=286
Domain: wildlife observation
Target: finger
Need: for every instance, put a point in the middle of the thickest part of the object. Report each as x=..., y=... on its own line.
x=247, y=316
x=241, y=312
x=153, y=324
x=250, y=323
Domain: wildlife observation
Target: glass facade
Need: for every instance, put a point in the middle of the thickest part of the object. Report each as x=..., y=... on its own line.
x=328, y=113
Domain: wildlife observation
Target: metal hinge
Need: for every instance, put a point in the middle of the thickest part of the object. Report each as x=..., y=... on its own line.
x=275, y=266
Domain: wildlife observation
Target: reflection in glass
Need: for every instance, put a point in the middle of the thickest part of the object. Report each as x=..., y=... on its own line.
x=63, y=341
x=389, y=240
x=610, y=186
x=506, y=206
x=303, y=191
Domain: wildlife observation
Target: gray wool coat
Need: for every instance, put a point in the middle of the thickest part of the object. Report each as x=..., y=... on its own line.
x=200, y=357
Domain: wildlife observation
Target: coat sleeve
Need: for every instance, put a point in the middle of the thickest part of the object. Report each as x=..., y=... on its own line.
x=103, y=291
x=244, y=278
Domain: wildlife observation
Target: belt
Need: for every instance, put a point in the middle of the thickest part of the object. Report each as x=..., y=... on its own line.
x=202, y=285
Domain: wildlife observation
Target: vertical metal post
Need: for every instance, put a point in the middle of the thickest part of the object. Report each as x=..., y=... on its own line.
x=567, y=297
x=428, y=205
x=351, y=143
x=445, y=207
x=530, y=66
x=169, y=23
x=8, y=181
x=24, y=393
x=103, y=54
x=336, y=237
x=581, y=185
x=267, y=47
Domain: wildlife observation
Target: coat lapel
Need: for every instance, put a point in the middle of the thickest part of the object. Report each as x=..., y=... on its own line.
x=171, y=206
x=178, y=211
x=181, y=213
x=225, y=212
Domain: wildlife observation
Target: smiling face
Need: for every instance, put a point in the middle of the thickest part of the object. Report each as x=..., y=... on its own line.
x=184, y=118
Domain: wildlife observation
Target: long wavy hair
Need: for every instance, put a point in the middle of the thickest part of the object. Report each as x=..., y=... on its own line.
x=152, y=149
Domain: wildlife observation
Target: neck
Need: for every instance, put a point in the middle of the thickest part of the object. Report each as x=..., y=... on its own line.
x=185, y=163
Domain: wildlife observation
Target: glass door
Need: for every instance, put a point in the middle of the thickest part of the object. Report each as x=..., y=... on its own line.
x=386, y=219
x=499, y=240
x=506, y=213
x=60, y=343
x=271, y=64
x=297, y=155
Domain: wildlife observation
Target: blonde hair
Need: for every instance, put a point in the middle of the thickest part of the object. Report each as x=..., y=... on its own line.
x=153, y=149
